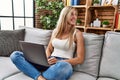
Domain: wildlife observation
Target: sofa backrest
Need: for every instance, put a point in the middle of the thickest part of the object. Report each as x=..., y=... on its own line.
x=110, y=65
x=93, y=48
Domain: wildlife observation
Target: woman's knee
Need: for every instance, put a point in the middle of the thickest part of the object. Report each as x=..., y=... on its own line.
x=61, y=69
x=14, y=56
x=65, y=67
x=64, y=64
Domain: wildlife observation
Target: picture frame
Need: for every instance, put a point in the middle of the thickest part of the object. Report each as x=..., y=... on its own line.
x=109, y=2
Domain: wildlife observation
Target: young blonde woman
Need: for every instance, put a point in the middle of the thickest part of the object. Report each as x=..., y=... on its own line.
x=64, y=41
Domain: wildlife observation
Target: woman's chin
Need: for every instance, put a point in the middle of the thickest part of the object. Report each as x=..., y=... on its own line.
x=73, y=24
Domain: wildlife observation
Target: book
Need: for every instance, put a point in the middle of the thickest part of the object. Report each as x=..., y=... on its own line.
x=75, y=2
x=119, y=22
x=109, y=2
x=119, y=6
x=68, y=2
x=72, y=2
x=117, y=18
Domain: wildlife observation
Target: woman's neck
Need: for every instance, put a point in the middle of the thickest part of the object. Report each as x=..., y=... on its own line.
x=68, y=29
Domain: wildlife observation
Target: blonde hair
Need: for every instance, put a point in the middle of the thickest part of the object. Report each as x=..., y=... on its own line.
x=62, y=24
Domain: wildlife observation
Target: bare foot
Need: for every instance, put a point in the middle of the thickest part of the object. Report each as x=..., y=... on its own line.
x=41, y=78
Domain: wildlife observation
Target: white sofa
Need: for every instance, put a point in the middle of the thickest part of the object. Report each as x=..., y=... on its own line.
x=102, y=56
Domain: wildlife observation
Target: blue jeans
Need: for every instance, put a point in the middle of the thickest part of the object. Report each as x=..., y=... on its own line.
x=59, y=71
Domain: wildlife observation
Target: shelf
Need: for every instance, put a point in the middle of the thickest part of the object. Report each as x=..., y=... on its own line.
x=81, y=15
x=79, y=6
x=117, y=30
x=88, y=14
x=80, y=27
x=102, y=13
x=114, y=7
x=97, y=28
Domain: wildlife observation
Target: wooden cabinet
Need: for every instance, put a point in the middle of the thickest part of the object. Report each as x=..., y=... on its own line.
x=87, y=13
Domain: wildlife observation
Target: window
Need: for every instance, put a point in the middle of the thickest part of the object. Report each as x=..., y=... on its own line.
x=15, y=13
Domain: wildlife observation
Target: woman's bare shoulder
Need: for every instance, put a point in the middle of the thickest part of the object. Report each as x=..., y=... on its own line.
x=54, y=31
x=78, y=33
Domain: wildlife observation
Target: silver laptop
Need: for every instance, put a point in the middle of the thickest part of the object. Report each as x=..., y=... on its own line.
x=34, y=53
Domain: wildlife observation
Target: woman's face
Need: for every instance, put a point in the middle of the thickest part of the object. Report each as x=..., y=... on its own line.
x=72, y=17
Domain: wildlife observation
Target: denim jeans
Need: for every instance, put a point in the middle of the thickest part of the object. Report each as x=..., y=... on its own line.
x=60, y=71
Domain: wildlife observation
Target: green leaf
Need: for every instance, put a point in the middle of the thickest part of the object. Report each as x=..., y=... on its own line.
x=49, y=20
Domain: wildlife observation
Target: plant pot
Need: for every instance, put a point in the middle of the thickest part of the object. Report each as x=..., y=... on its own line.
x=96, y=4
x=105, y=26
x=78, y=24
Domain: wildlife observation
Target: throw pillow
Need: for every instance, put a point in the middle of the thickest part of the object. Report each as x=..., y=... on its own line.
x=93, y=46
x=9, y=41
x=36, y=35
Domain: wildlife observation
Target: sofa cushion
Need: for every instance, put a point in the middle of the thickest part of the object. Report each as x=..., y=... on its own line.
x=110, y=65
x=7, y=68
x=18, y=76
x=104, y=78
x=9, y=41
x=81, y=76
x=93, y=46
x=36, y=35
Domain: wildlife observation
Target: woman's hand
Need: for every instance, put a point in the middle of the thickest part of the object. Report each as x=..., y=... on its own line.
x=52, y=60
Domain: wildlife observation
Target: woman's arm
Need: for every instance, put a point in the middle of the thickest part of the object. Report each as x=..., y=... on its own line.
x=79, y=51
x=49, y=49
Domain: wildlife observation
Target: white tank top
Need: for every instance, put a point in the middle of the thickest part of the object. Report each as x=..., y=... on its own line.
x=61, y=48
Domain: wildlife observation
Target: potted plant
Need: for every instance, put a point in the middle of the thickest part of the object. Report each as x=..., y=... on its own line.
x=96, y=3
x=49, y=19
x=105, y=23
x=78, y=22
